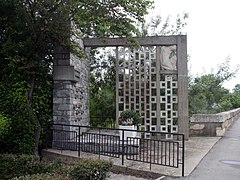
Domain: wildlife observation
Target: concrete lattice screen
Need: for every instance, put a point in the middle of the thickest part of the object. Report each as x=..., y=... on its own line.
x=151, y=80
x=147, y=84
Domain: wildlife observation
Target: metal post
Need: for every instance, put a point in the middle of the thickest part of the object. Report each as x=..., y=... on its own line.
x=183, y=149
x=150, y=154
x=99, y=156
x=79, y=148
x=123, y=148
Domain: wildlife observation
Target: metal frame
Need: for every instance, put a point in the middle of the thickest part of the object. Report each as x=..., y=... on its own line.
x=180, y=41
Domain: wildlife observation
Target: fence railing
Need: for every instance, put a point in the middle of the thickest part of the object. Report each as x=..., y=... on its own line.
x=118, y=143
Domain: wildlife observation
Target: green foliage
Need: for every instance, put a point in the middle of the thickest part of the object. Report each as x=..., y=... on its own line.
x=4, y=126
x=20, y=136
x=42, y=176
x=109, y=18
x=102, y=86
x=158, y=26
x=20, y=165
x=28, y=32
x=207, y=94
x=225, y=103
x=237, y=89
x=91, y=169
x=22, y=131
x=235, y=97
x=103, y=122
x=13, y=97
x=129, y=117
x=25, y=167
x=103, y=104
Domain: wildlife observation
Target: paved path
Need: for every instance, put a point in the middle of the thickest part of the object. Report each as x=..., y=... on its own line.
x=223, y=160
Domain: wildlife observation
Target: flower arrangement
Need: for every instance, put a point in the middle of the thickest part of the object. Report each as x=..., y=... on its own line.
x=128, y=118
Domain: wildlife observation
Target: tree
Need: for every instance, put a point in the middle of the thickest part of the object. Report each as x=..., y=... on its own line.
x=158, y=26
x=102, y=87
x=30, y=28
x=207, y=94
x=237, y=89
x=235, y=97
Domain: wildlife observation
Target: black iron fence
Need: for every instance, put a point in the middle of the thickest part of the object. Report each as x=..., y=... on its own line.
x=156, y=148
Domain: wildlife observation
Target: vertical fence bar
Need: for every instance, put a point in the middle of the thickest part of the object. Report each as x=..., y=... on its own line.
x=99, y=155
x=62, y=139
x=178, y=155
x=161, y=152
x=108, y=143
x=112, y=146
x=173, y=154
x=128, y=150
x=150, y=154
x=183, y=154
x=101, y=142
x=159, y=155
x=169, y=151
x=123, y=148
x=147, y=148
x=79, y=148
x=140, y=149
x=165, y=163
x=154, y=153
x=143, y=156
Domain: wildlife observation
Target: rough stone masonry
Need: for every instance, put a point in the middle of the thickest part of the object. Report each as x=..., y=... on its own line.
x=70, y=88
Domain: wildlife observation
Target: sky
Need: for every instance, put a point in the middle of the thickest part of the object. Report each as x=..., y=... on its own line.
x=213, y=32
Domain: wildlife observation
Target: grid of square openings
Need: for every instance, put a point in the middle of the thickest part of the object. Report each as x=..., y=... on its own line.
x=138, y=87
x=137, y=81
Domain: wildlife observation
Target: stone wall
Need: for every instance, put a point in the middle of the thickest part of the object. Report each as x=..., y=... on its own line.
x=70, y=88
x=212, y=124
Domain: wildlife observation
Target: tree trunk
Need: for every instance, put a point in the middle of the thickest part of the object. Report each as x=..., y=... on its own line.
x=37, y=135
x=30, y=91
x=37, y=132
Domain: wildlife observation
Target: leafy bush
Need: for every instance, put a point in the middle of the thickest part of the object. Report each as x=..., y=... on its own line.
x=42, y=176
x=20, y=165
x=4, y=125
x=88, y=169
x=129, y=117
x=20, y=137
x=27, y=167
x=14, y=88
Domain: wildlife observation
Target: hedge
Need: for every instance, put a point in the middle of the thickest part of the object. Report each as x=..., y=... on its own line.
x=29, y=167
x=19, y=165
x=88, y=169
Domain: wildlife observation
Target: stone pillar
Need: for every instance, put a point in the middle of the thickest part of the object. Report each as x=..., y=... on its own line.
x=70, y=88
